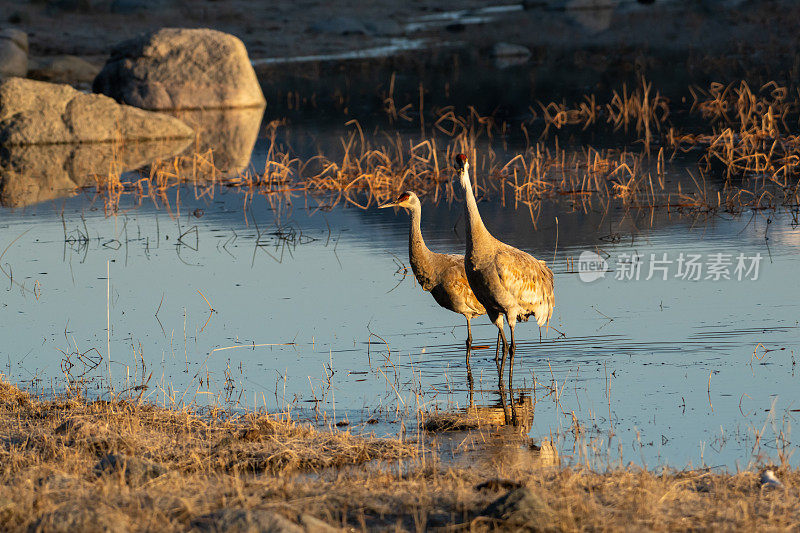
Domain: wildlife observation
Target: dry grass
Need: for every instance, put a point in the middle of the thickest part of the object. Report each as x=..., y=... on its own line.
x=638, y=110
x=745, y=157
x=182, y=467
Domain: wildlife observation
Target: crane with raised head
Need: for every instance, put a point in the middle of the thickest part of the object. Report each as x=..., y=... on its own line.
x=508, y=282
x=442, y=275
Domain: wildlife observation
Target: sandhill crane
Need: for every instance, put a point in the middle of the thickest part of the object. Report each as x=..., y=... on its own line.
x=507, y=282
x=442, y=275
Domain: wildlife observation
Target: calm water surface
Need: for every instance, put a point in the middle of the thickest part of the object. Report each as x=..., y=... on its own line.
x=316, y=310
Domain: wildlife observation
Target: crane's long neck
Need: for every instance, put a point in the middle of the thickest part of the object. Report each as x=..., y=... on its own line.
x=477, y=234
x=418, y=253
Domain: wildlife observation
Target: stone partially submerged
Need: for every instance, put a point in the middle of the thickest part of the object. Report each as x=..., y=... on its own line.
x=35, y=112
x=229, y=135
x=37, y=173
x=176, y=68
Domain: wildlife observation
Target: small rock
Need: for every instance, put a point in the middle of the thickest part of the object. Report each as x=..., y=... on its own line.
x=55, y=481
x=312, y=524
x=594, y=16
x=134, y=469
x=175, y=68
x=384, y=26
x=71, y=5
x=36, y=112
x=140, y=6
x=508, y=55
x=534, y=4
x=82, y=516
x=13, y=53
x=18, y=17
x=77, y=426
x=439, y=519
x=521, y=508
x=340, y=26
x=510, y=50
x=356, y=26
x=770, y=481
x=702, y=486
x=243, y=521
x=498, y=484
x=63, y=69
x=83, y=6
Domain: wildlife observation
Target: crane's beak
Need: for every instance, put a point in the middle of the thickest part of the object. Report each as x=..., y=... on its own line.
x=390, y=204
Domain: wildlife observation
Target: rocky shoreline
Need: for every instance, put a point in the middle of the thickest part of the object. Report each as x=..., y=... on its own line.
x=748, y=35
x=170, y=85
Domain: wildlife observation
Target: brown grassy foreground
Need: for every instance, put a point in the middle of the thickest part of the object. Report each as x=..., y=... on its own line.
x=73, y=465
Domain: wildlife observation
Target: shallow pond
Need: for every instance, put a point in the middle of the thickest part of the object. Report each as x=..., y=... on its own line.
x=287, y=303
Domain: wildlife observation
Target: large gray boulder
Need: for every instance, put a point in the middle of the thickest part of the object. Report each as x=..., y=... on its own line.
x=35, y=112
x=13, y=53
x=176, y=68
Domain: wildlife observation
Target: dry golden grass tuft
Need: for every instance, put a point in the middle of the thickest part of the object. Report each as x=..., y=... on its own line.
x=70, y=464
x=744, y=144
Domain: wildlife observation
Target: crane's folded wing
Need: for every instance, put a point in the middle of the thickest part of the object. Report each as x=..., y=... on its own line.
x=528, y=280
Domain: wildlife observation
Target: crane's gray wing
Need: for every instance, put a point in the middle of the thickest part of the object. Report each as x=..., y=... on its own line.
x=528, y=280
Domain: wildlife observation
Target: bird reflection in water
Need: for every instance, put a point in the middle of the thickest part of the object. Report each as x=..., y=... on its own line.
x=508, y=411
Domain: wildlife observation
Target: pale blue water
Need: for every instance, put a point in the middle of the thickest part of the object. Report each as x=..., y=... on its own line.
x=633, y=362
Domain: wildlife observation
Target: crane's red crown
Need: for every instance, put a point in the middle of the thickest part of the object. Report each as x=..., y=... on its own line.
x=403, y=197
x=461, y=159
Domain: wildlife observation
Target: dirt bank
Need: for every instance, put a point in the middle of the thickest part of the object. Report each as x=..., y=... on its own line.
x=121, y=465
x=752, y=33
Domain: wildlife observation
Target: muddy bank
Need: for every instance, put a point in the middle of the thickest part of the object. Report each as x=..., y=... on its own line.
x=178, y=470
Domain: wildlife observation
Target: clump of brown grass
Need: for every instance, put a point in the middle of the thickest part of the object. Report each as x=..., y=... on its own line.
x=753, y=138
x=256, y=442
x=750, y=143
x=638, y=110
x=200, y=466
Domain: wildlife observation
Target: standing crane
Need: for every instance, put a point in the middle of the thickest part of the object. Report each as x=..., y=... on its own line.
x=442, y=275
x=507, y=281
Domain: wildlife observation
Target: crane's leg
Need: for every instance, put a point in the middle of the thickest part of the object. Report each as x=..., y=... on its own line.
x=497, y=352
x=469, y=367
x=511, y=350
x=501, y=364
x=499, y=324
x=503, y=401
x=470, y=382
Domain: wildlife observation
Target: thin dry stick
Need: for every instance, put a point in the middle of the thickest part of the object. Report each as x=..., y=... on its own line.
x=250, y=346
x=108, y=321
x=709, y=391
x=210, y=314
